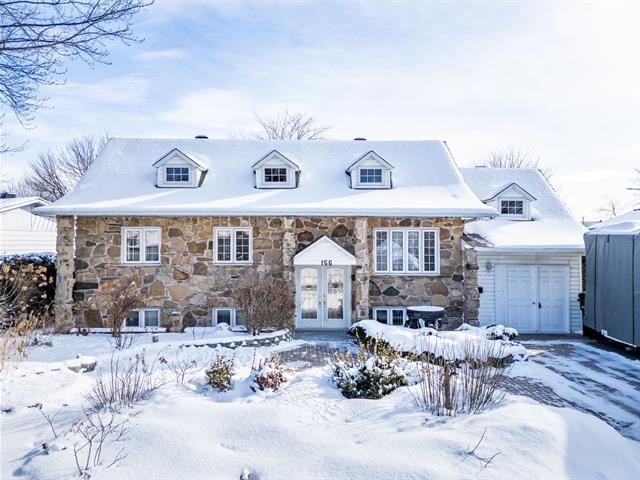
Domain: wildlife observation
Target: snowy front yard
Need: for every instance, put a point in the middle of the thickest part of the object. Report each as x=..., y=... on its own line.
x=306, y=429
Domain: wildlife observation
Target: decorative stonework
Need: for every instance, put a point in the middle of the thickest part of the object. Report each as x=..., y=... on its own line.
x=186, y=284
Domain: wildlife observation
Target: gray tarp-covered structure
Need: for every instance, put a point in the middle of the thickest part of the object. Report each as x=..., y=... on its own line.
x=612, y=303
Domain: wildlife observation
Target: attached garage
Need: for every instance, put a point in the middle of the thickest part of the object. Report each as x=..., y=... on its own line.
x=529, y=256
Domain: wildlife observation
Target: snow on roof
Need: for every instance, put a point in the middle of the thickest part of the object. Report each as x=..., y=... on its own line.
x=552, y=226
x=19, y=202
x=121, y=181
x=627, y=223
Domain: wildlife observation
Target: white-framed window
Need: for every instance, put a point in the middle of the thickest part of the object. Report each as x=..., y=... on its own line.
x=275, y=175
x=232, y=245
x=371, y=176
x=231, y=316
x=144, y=317
x=390, y=315
x=406, y=251
x=512, y=207
x=141, y=245
x=176, y=174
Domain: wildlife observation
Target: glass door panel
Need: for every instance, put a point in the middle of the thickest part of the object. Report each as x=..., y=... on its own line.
x=309, y=298
x=335, y=294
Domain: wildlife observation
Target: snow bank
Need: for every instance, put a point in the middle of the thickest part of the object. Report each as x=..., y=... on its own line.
x=452, y=345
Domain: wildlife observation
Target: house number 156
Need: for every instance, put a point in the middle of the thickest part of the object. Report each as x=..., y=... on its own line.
x=326, y=263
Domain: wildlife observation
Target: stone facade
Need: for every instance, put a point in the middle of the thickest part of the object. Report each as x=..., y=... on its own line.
x=187, y=284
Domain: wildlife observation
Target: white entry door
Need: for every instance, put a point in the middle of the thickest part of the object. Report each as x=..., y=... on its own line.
x=532, y=298
x=323, y=297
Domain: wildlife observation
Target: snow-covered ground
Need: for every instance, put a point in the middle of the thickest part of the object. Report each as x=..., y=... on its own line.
x=307, y=429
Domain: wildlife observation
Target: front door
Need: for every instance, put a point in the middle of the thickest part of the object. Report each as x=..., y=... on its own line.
x=520, y=297
x=323, y=296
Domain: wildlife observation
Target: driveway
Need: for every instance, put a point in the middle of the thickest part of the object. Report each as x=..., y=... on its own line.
x=584, y=375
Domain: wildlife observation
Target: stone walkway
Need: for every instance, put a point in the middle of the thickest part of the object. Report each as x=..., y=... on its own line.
x=583, y=375
x=319, y=349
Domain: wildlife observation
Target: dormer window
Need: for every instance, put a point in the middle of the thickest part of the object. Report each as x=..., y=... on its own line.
x=275, y=175
x=370, y=171
x=512, y=207
x=177, y=174
x=274, y=170
x=371, y=176
x=178, y=170
x=513, y=202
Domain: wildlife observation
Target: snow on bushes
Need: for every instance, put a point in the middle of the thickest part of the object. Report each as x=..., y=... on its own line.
x=449, y=345
x=220, y=373
x=373, y=372
x=269, y=374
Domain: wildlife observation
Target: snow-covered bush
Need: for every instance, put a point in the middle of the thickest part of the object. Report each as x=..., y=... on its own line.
x=373, y=372
x=269, y=374
x=492, y=332
x=220, y=373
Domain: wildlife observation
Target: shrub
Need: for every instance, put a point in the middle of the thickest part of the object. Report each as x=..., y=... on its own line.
x=266, y=304
x=470, y=385
x=220, y=373
x=27, y=287
x=181, y=366
x=121, y=296
x=124, y=385
x=269, y=374
x=373, y=372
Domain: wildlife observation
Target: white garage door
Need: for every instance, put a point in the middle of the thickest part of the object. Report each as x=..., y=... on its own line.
x=533, y=298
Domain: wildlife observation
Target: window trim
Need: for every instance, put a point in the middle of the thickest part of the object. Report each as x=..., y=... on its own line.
x=232, y=260
x=385, y=182
x=405, y=252
x=143, y=318
x=274, y=167
x=233, y=310
x=513, y=215
x=123, y=246
x=360, y=171
x=176, y=182
x=389, y=311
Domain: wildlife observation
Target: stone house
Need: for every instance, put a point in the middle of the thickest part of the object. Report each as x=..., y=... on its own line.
x=357, y=229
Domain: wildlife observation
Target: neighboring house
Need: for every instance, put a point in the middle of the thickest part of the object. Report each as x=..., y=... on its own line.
x=530, y=256
x=22, y=231
x=358, y=229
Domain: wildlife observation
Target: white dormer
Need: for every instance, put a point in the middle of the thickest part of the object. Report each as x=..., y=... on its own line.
x=274, y=170
x=370, y=171
x=178, y=170
x=512, y=202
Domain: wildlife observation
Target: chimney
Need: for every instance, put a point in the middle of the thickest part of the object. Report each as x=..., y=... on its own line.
x=360, y=139
x=201, y=137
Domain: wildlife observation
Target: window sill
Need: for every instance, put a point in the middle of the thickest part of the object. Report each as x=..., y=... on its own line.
x=231, y=264
x=140, y=264
x=407, y=274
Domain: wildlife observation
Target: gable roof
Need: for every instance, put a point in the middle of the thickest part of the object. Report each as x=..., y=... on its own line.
x=381, y=160
x=288, y=161
x=176, y=151
x=552, y=226
x=512, y=185
x=322, y=249
x=7, y=204
x=121, y=181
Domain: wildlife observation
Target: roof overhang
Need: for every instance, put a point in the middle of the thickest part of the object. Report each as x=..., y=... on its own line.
x=26, y=201
x=176, y=152
x=324, y=251
x=279, y=156
x=368, y=155
x=514, y=186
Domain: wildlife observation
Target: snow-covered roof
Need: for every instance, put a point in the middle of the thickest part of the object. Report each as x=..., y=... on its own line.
x=19, y=202
x=627, y=223
x=122, y=181
x=552, y=227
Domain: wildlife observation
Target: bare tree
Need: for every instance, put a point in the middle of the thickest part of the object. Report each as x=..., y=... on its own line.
x=611, y=207
x=37, y=36
x=289, y=126
x=54, y=174
x=513, y=158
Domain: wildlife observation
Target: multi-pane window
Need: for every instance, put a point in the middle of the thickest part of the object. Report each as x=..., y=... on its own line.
x=390, y=315
x=370, y=175
x=231, y=316
x=275, y=175
x=148, y=317
x=512, y=207
x=177, y=174
x=233, y=245
x=141, y=245
x=411, y=251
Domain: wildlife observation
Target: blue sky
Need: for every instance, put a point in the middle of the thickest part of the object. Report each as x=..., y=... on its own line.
x=559, y=80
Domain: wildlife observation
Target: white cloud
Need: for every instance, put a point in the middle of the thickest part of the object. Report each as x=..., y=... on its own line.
x=169, y=54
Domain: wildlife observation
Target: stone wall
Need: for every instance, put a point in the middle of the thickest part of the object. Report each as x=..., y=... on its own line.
x=187, y=284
